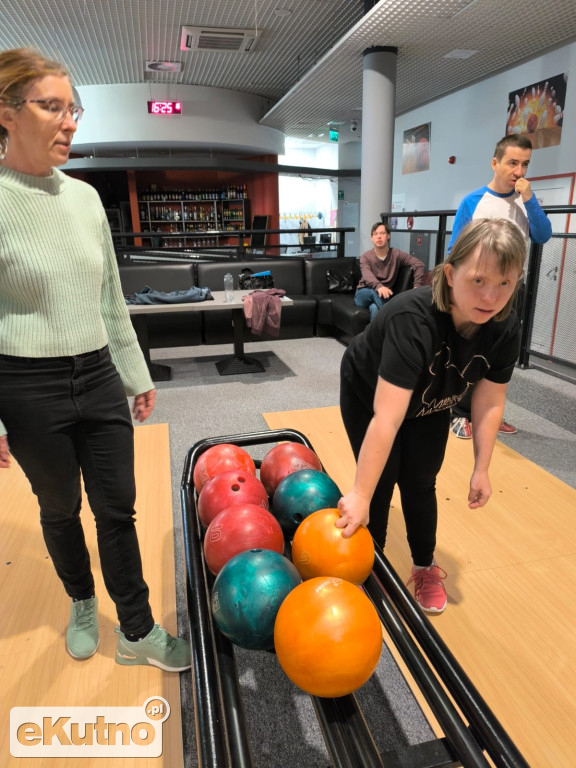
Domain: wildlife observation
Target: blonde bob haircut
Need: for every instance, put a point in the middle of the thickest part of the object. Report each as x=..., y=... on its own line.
x=19, y=69
x=495, y=236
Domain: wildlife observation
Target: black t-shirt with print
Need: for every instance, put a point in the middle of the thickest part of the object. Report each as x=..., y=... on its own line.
x=413, y=345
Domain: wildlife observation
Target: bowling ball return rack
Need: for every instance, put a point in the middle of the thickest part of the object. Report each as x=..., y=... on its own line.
x=471, y=730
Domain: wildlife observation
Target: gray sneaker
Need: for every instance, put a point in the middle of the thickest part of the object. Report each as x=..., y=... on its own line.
x=158, y=649
x=82, y=637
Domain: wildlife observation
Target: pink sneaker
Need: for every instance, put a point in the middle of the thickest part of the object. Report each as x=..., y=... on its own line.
x=507, y=429
x=429, y=591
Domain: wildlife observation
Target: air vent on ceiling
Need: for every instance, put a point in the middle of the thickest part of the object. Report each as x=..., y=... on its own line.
x=218, y=39
x=163, y=66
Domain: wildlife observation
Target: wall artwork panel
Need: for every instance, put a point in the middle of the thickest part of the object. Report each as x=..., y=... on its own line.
x=416, y=149
x=537, y=111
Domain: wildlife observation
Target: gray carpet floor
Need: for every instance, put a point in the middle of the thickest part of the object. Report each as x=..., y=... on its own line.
x=199, y=403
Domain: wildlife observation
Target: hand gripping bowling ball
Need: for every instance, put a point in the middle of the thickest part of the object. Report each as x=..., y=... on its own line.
x=319, y=549
x=221, y=458
x=284, y=459
x=247, y=594
x=227, y=488
x=328, y=637
x=300, y=494
x=238, y=528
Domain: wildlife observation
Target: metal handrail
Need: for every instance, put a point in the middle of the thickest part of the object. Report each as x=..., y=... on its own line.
x=238, y=235
x=483, y=723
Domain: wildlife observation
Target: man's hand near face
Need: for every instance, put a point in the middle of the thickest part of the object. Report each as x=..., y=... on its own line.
x=523, y=188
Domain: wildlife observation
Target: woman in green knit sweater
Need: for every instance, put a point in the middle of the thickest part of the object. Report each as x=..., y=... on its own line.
x=68, y=359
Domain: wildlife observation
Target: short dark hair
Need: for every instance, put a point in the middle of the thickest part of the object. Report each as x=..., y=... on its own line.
x=512, y=140
x=379, y=224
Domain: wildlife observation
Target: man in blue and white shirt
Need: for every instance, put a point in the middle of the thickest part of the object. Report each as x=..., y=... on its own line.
x=508, y=196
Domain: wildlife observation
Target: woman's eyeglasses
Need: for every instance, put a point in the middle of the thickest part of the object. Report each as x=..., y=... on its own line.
x=56, y=109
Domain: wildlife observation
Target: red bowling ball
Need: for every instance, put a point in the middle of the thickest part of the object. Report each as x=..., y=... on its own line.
x=228, y=488
x=238, y=529
x=284, y=459
x=221, y=458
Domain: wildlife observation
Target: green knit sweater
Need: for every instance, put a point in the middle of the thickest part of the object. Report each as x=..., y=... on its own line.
x=60, y=291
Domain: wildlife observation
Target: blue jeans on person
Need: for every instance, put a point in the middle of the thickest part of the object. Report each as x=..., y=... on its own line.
x=368, y=298
x=68, y=417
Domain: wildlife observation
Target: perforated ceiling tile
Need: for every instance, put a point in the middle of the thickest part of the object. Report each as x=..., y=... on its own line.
x=502, y=33
x=307, y=65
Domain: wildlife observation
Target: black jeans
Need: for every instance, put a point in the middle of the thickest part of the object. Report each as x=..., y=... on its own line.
x=414, y=462
x=67, y=416
x=464, y=408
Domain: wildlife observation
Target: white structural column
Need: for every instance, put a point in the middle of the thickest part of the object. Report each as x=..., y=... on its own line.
x=378, y=100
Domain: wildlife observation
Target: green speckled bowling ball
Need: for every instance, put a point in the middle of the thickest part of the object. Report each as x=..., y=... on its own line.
x=300, y=494
x=247, y=595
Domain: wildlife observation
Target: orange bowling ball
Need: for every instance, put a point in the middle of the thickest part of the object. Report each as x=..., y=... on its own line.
x=327, y=637
x=319, y=549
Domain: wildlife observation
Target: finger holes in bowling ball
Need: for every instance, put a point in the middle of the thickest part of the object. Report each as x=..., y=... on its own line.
x=221, y=458
x=228, y=488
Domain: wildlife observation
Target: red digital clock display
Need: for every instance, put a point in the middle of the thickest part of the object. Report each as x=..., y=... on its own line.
x=165, y=107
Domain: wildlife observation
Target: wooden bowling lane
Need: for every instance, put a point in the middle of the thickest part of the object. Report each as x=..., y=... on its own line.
x=511, y=582
x=35, y=669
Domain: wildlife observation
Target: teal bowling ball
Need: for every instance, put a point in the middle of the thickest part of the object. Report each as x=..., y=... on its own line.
x=300, y=494
x=247, y=595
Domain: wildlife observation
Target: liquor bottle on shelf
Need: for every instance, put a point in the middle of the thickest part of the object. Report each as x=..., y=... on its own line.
x=207, y=209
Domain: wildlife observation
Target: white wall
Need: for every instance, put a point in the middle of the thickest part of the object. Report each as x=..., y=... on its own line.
x=309, y=155
x=349, y=155
x=468, y=124
x=212, y=118
x=311, y=199
x=350, y=158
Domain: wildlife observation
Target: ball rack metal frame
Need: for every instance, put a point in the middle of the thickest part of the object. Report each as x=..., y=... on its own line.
x=471, y=730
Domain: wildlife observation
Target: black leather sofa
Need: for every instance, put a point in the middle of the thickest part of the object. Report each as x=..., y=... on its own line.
x=315, y=311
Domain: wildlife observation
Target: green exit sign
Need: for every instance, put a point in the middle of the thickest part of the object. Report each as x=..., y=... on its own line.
x=333, y=135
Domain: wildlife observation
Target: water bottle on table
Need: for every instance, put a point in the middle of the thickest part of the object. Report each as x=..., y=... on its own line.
x=228, y=288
